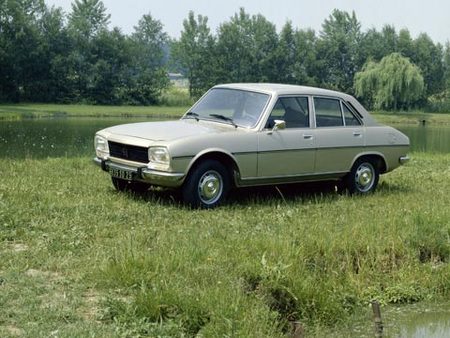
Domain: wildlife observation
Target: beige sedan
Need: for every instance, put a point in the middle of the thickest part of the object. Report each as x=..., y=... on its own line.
x=240, y=135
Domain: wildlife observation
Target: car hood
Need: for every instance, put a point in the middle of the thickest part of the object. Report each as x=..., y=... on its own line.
x=168, y=130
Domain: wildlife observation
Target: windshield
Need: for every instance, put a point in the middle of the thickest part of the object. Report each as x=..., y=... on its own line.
x=238, y=107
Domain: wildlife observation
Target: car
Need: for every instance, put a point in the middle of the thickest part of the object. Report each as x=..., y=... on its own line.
x=251, y=134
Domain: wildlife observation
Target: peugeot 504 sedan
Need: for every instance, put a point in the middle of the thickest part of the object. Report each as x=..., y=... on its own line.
x=240, y=135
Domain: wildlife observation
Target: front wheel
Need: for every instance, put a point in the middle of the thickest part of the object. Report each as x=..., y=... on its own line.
x=363, y=178
x=207, y=185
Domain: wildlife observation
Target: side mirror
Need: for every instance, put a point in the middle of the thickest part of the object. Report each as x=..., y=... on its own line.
x=279, y=125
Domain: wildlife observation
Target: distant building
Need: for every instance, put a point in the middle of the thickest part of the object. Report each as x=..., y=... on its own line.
x=178, y=80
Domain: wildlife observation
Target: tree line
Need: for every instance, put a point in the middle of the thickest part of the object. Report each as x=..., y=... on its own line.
x=49, y=56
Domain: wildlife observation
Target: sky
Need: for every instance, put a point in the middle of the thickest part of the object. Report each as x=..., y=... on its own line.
x=431, y=16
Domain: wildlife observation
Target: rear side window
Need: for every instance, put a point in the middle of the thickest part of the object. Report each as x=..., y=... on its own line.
x=328, y=112
x=350, y=119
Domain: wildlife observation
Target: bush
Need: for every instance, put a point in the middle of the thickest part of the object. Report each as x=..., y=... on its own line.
x=176, y=97
x=439, y=103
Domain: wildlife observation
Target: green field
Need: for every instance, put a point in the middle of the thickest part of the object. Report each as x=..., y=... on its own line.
x=34, y=110
x=79, y=259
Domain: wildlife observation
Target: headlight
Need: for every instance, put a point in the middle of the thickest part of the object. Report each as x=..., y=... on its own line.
x=159, y=158
x=101, y=147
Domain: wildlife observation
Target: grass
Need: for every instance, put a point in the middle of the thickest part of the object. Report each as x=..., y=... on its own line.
x=174, y=103
x=79, y=259
x=34, y=110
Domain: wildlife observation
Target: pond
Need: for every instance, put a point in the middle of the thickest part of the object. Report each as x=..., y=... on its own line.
x=427, y=138
x=419, y=320
x=41, y=138
x=56, y=137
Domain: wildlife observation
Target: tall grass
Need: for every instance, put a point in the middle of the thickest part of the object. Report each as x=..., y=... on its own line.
x=83, y=260
x=176, y=97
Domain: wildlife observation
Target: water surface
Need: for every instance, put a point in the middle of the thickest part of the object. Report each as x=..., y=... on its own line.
x=56, y=137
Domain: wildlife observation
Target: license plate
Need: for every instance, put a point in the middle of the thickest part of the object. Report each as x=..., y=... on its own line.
x=121, y=173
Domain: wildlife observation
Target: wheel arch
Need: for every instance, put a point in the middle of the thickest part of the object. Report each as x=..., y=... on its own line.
x=379, y=159
x=224, y=157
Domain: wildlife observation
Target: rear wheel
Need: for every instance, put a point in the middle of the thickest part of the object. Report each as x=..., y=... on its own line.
x=131, y=186
x=364, y=176
x=207, y=185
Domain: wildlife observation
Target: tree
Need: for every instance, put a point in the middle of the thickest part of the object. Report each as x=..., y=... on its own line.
x=390, y=40
x=110, y=67
x=86, y=21
x=306, y=66
x=429, y=58
x=148, y=76
x=447, y=65
x=338, y=50
x=246, y=48
x=194, y=54
x=88, y=17
x=405, y=44
x=392, y=83
x=21, y=55
x=285, y=55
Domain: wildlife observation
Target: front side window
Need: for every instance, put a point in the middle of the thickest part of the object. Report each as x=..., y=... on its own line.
x=328, y=112
x=293, y=110
x=239, y=107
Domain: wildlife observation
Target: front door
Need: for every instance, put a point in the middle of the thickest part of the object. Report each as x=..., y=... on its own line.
x=289, y=151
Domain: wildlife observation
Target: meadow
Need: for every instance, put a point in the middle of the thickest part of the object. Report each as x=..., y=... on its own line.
x=79, y=259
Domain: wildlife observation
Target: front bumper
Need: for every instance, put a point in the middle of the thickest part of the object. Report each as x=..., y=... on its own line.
x=159, y=178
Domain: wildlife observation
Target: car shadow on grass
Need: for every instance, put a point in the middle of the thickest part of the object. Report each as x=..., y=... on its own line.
x=326, y=191
x=286, y=193
x=393, y=188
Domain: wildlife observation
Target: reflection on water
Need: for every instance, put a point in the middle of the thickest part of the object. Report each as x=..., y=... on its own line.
x=41, y=138
x=421, y=320
x=70, y=137
x=428, y=138
x=418, y=321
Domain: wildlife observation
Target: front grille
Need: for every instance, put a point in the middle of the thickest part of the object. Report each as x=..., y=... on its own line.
x=128, y=152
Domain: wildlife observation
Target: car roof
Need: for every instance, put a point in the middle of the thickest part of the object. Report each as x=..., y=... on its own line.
x=283, y=89
x=277, y=89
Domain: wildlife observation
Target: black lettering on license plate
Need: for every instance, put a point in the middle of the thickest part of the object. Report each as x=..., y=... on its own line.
x=122, y=174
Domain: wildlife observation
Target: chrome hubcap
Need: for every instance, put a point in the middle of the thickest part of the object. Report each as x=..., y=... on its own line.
x=210, y=187
x=364, y=177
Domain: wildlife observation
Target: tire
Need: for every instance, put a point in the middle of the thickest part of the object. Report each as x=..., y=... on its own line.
x=364, y=177
x=130, y=186
x=207, y=185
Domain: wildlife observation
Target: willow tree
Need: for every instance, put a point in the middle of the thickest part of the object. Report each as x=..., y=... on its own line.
x=392, y=83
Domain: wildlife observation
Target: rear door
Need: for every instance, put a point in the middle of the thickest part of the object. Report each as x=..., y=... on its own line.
x=339, y=134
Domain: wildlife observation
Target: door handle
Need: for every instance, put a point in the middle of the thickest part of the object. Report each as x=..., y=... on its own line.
x=356, y=133
x=307, y=136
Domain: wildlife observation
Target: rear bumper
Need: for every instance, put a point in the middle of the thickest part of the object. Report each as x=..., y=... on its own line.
x=404, y=159
x=159, y=178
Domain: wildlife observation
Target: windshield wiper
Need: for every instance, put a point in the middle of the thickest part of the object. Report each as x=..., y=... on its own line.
x=225, y=118
x=194, y=115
